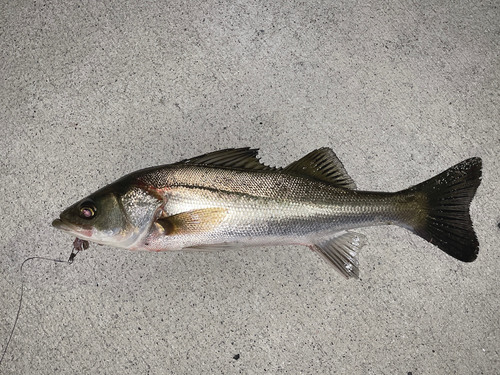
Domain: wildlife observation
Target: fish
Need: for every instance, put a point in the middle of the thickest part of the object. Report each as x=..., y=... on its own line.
x=228, y=198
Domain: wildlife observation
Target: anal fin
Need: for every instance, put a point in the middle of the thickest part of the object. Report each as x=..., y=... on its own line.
x=341, y=252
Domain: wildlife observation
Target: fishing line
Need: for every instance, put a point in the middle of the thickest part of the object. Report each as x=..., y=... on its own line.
x=78, y=246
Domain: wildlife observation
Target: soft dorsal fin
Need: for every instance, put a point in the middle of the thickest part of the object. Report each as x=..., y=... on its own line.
x=244, y=158
x=323, y=164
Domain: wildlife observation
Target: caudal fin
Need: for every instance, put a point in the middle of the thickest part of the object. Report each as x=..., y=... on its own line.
x=447, y=196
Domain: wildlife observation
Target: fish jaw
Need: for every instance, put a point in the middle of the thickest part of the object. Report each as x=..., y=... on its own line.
x=109, y=237
x=69, y=228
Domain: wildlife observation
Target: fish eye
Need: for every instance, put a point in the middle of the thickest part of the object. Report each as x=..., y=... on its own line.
x=87, y=210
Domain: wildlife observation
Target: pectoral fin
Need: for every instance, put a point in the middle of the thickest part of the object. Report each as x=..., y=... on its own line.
x=341, y=252
x=191, y=222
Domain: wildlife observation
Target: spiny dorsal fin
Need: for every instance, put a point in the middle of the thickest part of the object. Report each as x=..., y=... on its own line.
x=323, y=164
x=244, y=158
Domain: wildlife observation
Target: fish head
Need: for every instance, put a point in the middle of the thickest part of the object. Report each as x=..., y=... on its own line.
x=116, y=215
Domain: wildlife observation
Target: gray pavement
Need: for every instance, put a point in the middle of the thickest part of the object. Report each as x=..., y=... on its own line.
x=90, y=91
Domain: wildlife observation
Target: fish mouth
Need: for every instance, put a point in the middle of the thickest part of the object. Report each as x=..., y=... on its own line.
x=61, y=225
x=68, y=227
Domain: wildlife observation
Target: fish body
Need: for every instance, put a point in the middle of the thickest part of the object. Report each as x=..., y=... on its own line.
x=228, y=198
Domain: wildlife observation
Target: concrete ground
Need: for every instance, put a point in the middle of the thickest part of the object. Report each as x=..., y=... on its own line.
x=90, y=91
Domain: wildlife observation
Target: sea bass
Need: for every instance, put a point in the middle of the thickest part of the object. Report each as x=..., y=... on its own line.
x=229, y=198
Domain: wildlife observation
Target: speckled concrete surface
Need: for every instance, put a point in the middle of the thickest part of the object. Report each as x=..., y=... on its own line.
x=90, y=91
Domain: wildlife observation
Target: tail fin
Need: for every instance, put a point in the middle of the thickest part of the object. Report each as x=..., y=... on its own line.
x=447, y=222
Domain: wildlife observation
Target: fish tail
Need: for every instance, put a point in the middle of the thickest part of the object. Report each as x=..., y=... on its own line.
x=443, y=217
